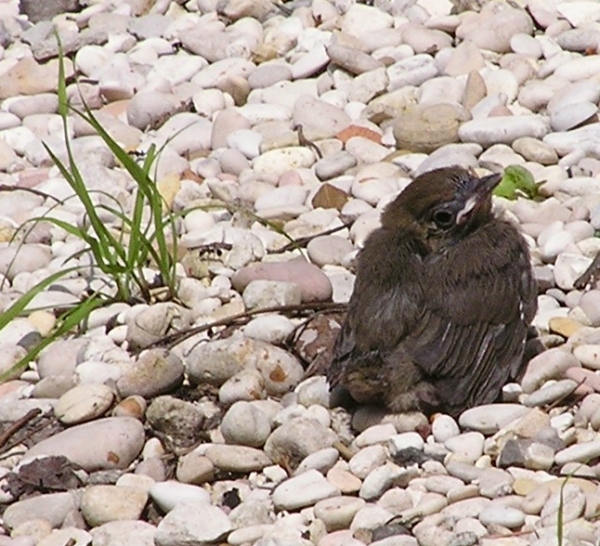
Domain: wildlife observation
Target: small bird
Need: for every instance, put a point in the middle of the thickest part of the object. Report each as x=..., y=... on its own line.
x=443, y=298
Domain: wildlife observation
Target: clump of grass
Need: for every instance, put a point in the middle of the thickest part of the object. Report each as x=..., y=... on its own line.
x=121, y=254
x=146, y=241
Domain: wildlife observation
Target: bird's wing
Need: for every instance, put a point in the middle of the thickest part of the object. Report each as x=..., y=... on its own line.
x=385, y=306
x=471, y=337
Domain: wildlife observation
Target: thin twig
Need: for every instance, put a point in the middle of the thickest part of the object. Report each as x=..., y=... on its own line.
x=178, y=337
x=589, y=276
x=303, y=141
x=18, y=424
x=6, y=187
x=566, y=395
x=303, y=241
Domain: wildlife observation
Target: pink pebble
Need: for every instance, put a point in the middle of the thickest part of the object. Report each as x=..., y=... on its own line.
x=314, y=284
x=290, y=178
x=591, y=380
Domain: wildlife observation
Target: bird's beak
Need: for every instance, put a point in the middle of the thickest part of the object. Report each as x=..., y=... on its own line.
x=480, y=191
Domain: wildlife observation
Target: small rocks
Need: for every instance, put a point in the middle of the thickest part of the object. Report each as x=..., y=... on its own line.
x=53, y=507
x=427, y=128
x=315, y=286
x=279, y=139
x=216, y=362
x=245, y=424
x=296, y=439
x=282, y=160
x=502, y=515
x=237, y=458
x=83, y=403
x=112, y=442
x=181, y=526
x=104, y=503
x=338, y=512
x=168, y=494
x=489, y=419
x=261, y=294
x=303, y=490
x=155, y=372
x=578, y=453
x=502, y=129
x=547, y=365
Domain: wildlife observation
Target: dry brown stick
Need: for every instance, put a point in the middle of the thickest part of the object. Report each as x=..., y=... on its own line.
x=174, y=339
x=566, y=395
x=589, y=275
x=6, y=187
x=303, y=141
x=303, y=241
x=18, y=424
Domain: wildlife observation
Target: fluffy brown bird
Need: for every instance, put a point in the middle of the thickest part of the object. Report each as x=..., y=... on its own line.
x=443, y=298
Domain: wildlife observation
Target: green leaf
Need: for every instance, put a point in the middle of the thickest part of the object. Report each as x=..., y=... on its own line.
x=516, y=182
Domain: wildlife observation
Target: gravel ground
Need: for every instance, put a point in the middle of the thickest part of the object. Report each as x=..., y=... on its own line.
x=308, y=116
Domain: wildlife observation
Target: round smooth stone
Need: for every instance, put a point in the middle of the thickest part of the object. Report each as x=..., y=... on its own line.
x=245, y=424
x=313, y=282
x=194, y=468
x=155, y=371
x=427, y=128
x=490, y=418
x=550, y=364
x=366, y=460
x=322, y=460
x=169, y=494
x=298, y=438
x=183, y=526
x=443, y=428
x=103, y=503
x=266, y=75
x=525, y=44
x=590, y=305
x=550, y=393
x=572, y=115
x=361, y=19
x=83, y=403
x=406, y=440
x=31, y=257
x=535, y=150
x=135, y=533
x=502, y=129
x=303, y=490
x=338, y=512
x=112, y=442
x=500, y=514
x=493, y=28
x=262, y=294
x=328, y=250
x=588, y=355
x=578, y=453
x=284, y=159
x=217, y=361
x=52, y=507
x=246, y=141
x=271, y=328
x=237, y=458
x=380, y=479
x=467, y=444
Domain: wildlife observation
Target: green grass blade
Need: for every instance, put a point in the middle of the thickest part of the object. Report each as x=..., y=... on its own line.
x=20, y=304
x=65, y=324
x=63, y=103
x=105, y=239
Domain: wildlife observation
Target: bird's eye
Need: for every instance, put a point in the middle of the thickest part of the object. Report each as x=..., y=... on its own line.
x=443, y=219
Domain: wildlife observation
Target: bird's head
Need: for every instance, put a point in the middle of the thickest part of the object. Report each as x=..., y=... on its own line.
x=442, y=203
